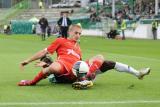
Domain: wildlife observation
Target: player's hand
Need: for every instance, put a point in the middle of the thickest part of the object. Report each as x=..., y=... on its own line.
x=22, y=64
x=40, y=64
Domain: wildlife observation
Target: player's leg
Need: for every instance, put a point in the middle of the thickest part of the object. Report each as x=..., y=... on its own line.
x=62, y=32
x=54, y=68
x=43, y=33
x=108, y=65
x=105, y=66
x=123, y=35
x=94, y=64
x=43, y=36
x=41, y=75
x=66, y=32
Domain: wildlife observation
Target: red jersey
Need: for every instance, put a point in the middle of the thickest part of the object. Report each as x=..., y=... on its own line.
x=68, y=52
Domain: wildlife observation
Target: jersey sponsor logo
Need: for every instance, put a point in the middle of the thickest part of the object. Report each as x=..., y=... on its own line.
x=72, y=52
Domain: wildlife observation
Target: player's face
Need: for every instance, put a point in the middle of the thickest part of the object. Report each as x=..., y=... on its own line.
x=76, y=33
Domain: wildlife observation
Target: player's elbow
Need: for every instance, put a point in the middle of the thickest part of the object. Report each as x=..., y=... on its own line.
x=43, y=52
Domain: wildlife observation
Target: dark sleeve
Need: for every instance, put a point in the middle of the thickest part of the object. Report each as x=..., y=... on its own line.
x=59, y=22
x=69, y=21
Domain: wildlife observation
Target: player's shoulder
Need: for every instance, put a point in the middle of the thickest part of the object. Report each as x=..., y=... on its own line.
x=60, y=39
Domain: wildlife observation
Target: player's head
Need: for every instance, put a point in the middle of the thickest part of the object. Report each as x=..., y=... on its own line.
x=75, y=32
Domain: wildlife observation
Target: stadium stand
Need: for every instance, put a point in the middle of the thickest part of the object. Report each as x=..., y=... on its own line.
x=7, y=14
x=50, y=14
x=130, y=9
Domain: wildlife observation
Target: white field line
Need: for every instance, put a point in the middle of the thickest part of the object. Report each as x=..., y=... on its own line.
x=81, y=102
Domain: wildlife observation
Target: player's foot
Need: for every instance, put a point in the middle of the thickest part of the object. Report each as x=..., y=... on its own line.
x=25, y=83
x=144, y=72
x=82, y=84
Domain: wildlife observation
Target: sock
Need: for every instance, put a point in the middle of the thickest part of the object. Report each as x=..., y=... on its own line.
x=107, y=65
x=92, y=70
x=125, y=68
x=95, y=66
x=38, y=77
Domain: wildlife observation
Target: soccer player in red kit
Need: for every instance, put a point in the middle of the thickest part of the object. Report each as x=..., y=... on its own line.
x=68, y=52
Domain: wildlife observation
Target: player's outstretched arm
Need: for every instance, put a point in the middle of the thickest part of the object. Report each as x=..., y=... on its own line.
x=44, y=62
x=36, y=56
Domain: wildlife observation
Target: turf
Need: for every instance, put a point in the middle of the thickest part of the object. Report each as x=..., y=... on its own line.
x=111, y=89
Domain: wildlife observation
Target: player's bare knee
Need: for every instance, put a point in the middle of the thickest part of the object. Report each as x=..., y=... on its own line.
x=46, y=71
x=100, y=58
x=55, y=68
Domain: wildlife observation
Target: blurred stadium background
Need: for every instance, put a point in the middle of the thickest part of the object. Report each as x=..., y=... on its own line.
x=139, y=14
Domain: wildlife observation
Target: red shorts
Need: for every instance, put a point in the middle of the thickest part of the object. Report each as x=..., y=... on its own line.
x=66, y=75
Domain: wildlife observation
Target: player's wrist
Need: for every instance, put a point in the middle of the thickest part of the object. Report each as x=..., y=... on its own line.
x=28, y=61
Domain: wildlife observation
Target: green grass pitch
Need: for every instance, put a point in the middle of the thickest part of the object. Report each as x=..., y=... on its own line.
x=111, y=89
